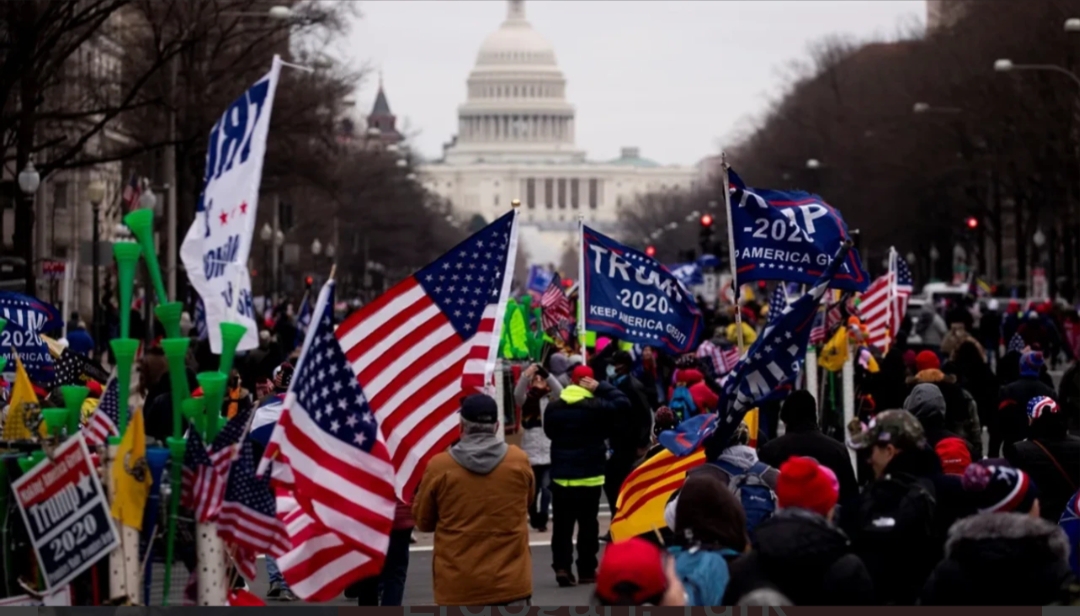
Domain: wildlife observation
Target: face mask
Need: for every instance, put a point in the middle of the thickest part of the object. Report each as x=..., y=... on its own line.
x=610, y=371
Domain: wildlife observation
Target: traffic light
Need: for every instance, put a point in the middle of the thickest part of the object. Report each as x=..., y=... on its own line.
x=972, y=223
x=706, y=233
x=650, y=251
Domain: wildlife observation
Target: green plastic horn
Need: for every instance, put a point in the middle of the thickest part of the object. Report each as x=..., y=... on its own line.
x=74, y=395
x=231, y=334
x=177, y=447
x=213, y=387
x=3, y=360
x=141, y=223
x=124, y=349
x=169, y=315
x=175, y=354
x=55, y=419
x=127, y=257
x=192, y=409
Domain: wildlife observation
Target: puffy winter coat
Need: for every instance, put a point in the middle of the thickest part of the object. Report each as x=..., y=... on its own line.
x=534, y=442
x=806, y=558
x=1055, y=471
x=1001, y=559
x=578, y=423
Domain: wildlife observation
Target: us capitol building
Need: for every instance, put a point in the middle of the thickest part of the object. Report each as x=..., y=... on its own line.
x=516, y=140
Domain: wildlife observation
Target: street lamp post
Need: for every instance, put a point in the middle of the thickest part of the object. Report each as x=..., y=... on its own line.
x=29, y=181
x=96, y=194
x=266, y=234
x=279, y=241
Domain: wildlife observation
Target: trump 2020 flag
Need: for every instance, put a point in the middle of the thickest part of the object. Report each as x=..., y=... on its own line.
x=789, y=235
x=775, y=359
x=631, y=296
x=215, y=251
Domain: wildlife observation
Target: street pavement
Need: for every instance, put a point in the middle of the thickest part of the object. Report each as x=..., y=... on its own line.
x=418, y=585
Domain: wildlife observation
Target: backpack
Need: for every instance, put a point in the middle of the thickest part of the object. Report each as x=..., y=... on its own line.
x=897, y=517
x=703, y=573
x=749, y=486
x=682, y=403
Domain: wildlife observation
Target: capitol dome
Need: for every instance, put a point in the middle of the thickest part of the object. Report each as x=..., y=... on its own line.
x=516, y=43
x=515, y=108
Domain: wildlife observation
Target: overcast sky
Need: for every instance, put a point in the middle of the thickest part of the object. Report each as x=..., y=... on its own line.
x=675, y=78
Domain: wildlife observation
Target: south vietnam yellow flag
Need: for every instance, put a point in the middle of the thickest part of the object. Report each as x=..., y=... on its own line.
x=646, y=490
x=752, y=419
x=24, y=403
x=131, y=475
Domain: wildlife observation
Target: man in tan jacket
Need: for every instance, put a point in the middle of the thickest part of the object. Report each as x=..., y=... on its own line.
x=476, y=497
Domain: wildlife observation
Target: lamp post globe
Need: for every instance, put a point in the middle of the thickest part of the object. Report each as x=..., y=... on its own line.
x=147, y=200
x=316, y=247
x=1003, y=65
x=279, y=12
x=29, y=179
x=1039, y=238
x=330, y=251
x=279, y=238
x=1072, y=24
x=266, y=233
x=813, y=163
x=95, y=193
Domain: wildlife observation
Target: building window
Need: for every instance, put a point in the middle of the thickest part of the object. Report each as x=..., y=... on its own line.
x=549, y=193
x=594, y=193
x=495, y=200
x=618, y=201
x=574, y=190
x=562, y=193
x=530, y=192
x=60, y=195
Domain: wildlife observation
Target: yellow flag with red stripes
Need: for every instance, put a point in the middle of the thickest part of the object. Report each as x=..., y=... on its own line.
x=646, y=490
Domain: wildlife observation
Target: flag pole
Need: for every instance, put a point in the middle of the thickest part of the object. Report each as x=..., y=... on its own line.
x=581, y=287
x=731, y=248
x=894, y=308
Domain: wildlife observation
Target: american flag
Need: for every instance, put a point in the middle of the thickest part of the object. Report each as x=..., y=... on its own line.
x=205, y=471
x=102, y=423
x=777, y=303
x=555, y=308
x=884, y=304
x=817, y=332
x=328, y=450
x=75, y=369
x=132, y=192
x=430, y=340
x=723, y=359
x=248, y=515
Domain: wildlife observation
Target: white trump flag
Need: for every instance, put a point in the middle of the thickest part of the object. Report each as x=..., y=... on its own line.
x=215, y=251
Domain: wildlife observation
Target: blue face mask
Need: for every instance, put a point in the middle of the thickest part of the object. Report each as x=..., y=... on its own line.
x=610, y=372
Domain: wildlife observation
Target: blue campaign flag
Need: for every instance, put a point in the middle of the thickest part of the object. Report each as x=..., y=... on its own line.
x=303, y=319
x=708, y=261
x=632, y=297
x=774, y=361
x=789, y=235
x=28, y=317
x=539, y=278
x=200, y=320
x=688, y=273
x=690, y=434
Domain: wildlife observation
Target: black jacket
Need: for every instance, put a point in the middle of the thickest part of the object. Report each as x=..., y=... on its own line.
x=1012, y=420
x=900, y=572
x=631, y=431
x=804, y=557
x=1056, y=485
x=1001, y=559
x=578, y=430
x=808, y=440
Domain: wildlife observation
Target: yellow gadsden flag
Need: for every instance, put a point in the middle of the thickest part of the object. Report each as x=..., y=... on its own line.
x=646, y=490
x=131, y=475
x=835, y=352
x=24, y=403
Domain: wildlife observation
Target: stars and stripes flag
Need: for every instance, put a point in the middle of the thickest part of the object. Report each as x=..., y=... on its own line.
x=132, y=192
x=430, y=340
x=884, y=303
x=723, y=359
x=777, y=303
x=102, y=423
x=327, y=450
x=818, y=331
x=555, y=308
x=248, y=515
x=206, y=470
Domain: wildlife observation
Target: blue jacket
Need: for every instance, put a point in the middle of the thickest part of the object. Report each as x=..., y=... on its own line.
x=79, y=341
x=578, y=423
x=1070, y=523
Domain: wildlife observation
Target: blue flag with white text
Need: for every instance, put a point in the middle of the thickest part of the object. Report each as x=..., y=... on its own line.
x=688, y=273
x=773, y=362
x=632, y=297
x=789, y=235
x=539, y=278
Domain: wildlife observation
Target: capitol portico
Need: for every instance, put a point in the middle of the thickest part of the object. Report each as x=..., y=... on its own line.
x=515, y=139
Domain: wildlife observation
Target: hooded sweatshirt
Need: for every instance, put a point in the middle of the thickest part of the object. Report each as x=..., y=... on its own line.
x=927, y=404
x=479, y=453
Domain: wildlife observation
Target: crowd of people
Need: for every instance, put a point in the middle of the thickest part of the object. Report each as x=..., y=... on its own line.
x=909, y=503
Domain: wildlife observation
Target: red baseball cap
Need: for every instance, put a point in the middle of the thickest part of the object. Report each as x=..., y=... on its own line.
x=954, y=454
x=581, y=372
x=631, y=573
